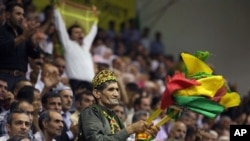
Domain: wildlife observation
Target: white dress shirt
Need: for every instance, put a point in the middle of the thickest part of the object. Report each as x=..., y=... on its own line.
x=79, y=62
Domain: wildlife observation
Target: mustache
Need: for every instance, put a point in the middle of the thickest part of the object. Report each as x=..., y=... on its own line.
x=39, y=63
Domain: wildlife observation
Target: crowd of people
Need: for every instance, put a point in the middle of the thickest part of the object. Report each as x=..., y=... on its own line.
x=101, y=85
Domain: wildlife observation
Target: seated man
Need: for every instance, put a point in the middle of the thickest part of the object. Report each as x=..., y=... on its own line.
x=99, y=122
x=53, y=101
x=51, y=125
x=18, y=122
x=83, y=100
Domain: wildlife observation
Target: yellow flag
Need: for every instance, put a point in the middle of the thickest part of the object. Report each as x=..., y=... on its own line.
x=116, y=10
x=72, y=13
x=195, y=65
x=209, y=86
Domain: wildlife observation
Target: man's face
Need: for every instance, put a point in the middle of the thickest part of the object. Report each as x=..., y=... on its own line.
x=27, y=107
x=110, y=96
x=3, y=89
x=20, y=124
x=119, y=111
x=87, y=100
x=54, y=103
x=179, y=131
x=60, y=63
x=37, y=101
x=67, y=99
x=55, y=125
x=77, y=35
x=16, y=17
x=145, y=104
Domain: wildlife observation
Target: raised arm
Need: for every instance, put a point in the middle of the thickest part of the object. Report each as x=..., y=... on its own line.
x=89, y=38
x=61, y=28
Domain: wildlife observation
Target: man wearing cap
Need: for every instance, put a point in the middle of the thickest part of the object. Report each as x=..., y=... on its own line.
x=99, y=122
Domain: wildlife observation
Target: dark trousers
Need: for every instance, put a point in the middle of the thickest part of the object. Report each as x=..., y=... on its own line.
x=11, y=80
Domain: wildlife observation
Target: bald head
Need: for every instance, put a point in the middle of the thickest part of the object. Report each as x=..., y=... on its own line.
x=178, y=131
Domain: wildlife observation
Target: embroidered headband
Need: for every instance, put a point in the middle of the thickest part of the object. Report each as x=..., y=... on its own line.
x=102, y=77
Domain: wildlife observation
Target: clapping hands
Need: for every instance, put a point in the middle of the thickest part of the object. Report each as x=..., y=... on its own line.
x=29, y=28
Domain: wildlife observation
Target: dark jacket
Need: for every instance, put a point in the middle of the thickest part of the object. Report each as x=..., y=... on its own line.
x=15, y=58
x=64, y=136
x=93, y=126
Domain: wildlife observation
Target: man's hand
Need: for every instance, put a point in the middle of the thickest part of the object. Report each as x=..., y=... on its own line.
x=95, y=11
x=29, y=28
x=138, y=127
x=8, y=99
x=153, y=130
x=51, y=79
x=65, y=80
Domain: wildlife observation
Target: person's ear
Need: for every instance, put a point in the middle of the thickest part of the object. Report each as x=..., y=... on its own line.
x=96, y=93
x=8, y=128
x=45, y=124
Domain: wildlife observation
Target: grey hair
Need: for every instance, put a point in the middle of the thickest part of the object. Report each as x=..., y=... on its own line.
x=44, y=116
x=138, y=114
x=62, y=88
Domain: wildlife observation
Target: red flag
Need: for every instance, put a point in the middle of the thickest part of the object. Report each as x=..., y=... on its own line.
x=177, y=82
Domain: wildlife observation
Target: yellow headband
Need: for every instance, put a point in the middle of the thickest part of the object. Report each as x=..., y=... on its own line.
x=102, y=77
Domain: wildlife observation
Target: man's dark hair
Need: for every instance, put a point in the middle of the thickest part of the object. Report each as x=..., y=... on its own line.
x=10, y=115
x=85, y=85
x=26, y=93
x=79, y=96
x=155, y=100
x=19, y=82
x=138, y=100
x=49, y=95
x=44, y=116
x=70, y=29
x=132, y=87
x=15, y=105
x=3, y=79
x=137, y=115
x=11, y=5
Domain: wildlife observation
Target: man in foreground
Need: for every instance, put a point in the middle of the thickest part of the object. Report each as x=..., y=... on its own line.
x=99, y=122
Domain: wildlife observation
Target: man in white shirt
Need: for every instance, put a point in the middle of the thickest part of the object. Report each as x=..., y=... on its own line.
x=79, y=62
x=51, y=125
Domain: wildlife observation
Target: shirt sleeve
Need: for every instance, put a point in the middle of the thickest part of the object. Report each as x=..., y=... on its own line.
x=61, y=28
x=89, y=38
x=93, y=128
x=70, y=135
